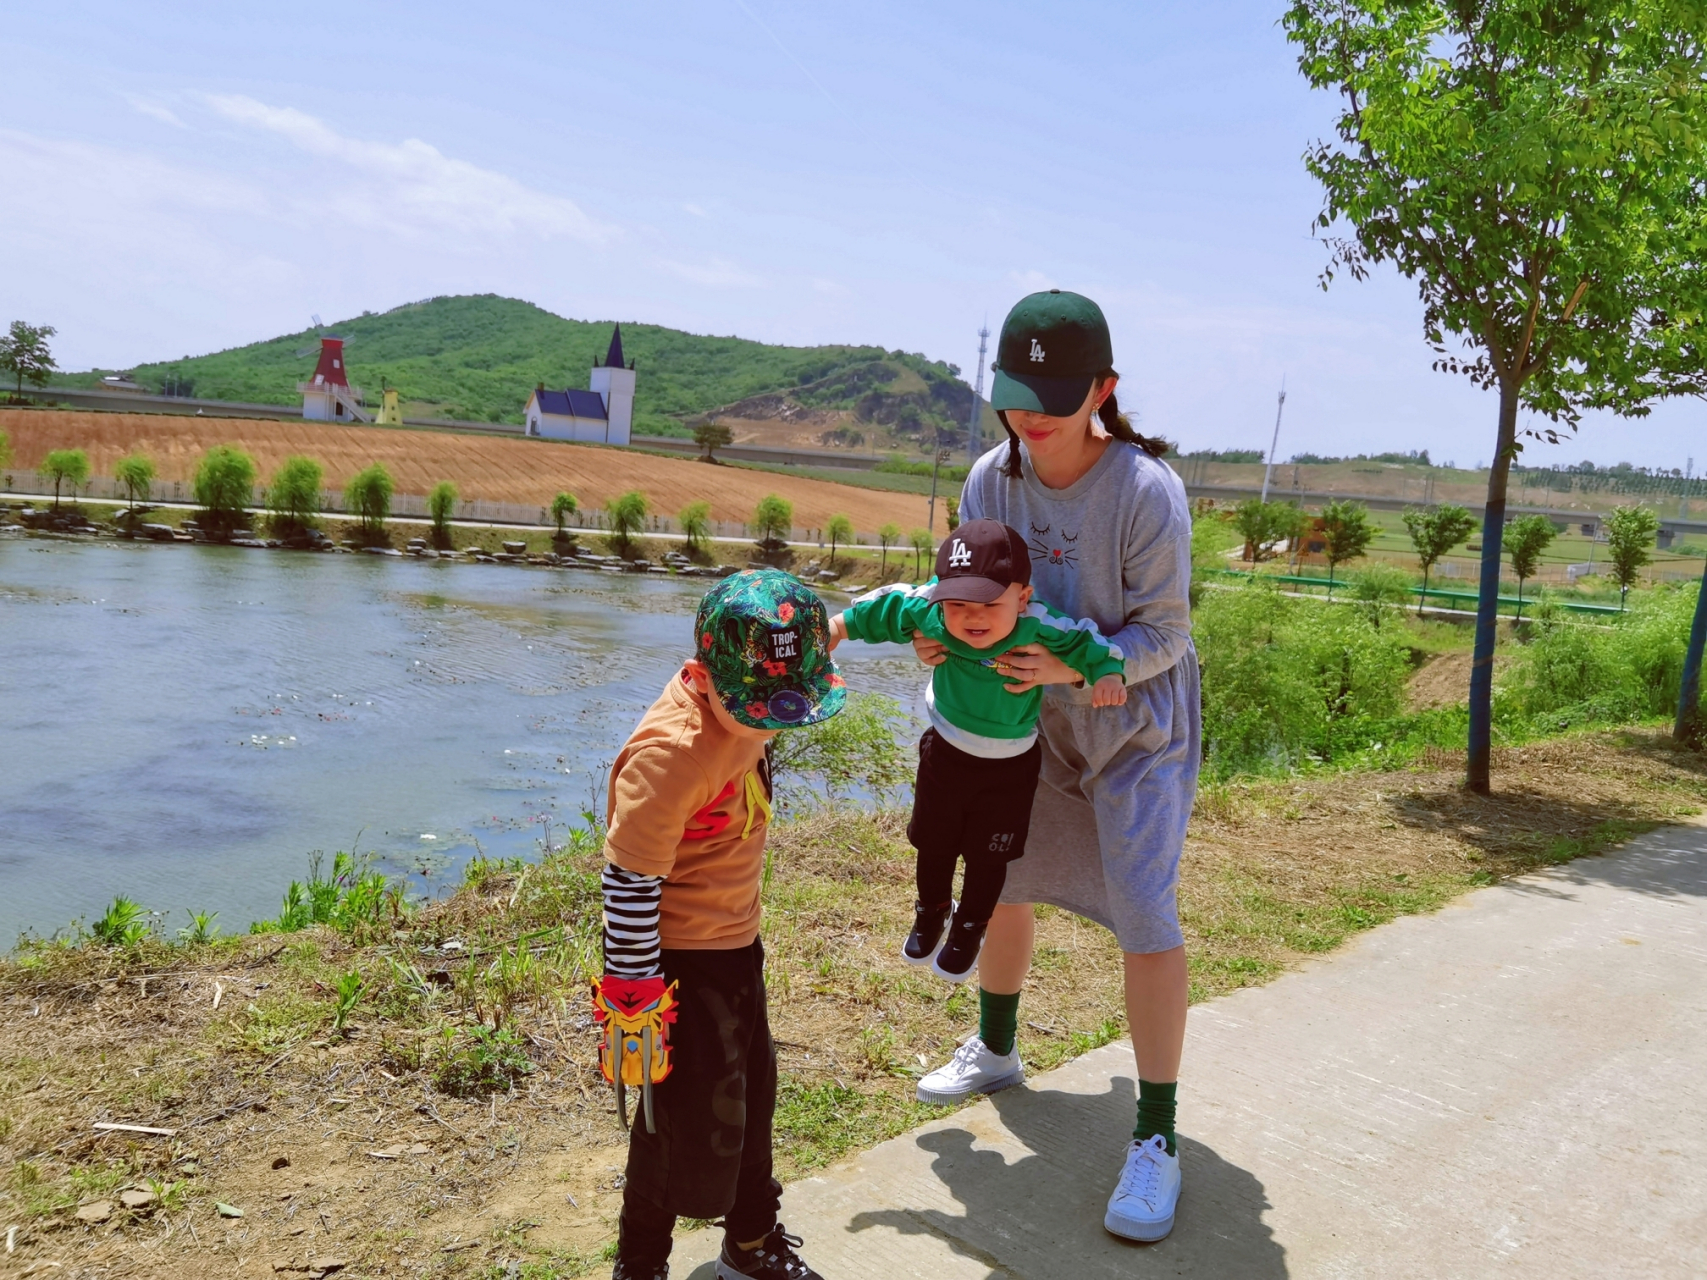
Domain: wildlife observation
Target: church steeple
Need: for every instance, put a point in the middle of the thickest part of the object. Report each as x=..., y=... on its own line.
x=613, y=357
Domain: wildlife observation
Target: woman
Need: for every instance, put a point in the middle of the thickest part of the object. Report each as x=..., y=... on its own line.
x=1110, y=536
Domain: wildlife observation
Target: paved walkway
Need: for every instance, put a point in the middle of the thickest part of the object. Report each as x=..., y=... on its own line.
x=1514, y=1086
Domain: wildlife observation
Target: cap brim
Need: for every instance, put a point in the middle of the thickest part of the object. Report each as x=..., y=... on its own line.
x=970, y=589
x=1053, y=397
x=822, y=698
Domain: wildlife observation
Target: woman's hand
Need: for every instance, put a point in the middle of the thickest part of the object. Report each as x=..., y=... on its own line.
x=933, y=653
x=1033, y=665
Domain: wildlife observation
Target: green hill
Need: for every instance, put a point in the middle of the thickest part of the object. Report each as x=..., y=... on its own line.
x=477, y=358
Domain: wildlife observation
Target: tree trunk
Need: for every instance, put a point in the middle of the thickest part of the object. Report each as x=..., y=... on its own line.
x=1689, y=732
x=1422, y=600
x=1488, y=600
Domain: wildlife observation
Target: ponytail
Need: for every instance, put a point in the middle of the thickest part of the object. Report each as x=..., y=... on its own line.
x=1116, y=423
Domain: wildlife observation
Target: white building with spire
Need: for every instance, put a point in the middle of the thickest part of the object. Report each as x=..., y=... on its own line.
x=603, y=414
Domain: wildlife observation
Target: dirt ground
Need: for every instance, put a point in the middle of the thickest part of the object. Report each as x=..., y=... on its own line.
x=494, y=469
x=342, y=1150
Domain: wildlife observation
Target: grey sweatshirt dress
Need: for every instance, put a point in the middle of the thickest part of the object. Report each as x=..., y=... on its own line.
x=1117, y=785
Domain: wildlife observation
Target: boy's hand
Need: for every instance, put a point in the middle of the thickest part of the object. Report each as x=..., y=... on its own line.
x=838, y=631
x=1110, y=691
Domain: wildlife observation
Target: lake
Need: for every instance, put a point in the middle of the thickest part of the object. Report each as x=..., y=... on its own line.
x=185, y=725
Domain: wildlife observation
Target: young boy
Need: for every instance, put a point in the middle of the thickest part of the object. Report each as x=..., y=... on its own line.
x=979, y=760
x=689, y=809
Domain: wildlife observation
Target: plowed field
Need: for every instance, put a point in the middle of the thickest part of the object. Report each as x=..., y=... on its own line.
x=490, y=469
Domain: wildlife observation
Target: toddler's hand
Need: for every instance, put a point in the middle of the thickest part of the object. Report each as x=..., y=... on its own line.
x=838, y=631
x=1110, y=691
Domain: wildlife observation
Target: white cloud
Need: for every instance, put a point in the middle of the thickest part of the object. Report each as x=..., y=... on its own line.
x=716, y=273
x=154, y=110
x=412, y=186
x=1033, y=281
x=695, y=210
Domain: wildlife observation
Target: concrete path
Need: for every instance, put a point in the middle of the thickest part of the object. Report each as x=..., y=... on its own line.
x=1514, y=1086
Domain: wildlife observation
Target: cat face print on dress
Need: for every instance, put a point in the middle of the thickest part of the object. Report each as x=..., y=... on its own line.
x=1054, y=546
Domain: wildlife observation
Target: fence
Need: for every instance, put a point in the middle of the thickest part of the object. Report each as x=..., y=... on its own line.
x=413, y=506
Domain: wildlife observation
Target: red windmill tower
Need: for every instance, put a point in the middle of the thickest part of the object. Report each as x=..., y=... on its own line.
x=328, y=396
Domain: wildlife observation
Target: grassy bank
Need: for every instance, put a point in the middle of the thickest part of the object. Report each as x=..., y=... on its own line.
x=412, y=1091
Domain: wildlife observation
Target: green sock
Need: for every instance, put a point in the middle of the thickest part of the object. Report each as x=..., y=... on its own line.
x=1156, y=1111
x=998, y=1020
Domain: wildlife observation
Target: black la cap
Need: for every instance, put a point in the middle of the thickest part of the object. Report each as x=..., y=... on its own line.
x=980, y=560
x=1053, y=345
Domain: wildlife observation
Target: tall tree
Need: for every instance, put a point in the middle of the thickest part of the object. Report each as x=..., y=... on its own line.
x=1689, y=728
x=1347, y=532
x=441, y=506
x=922, y=547
x=1629, y=545
x=1526, y=538
x=1433, y=534
x=368, y=494
x=1264, y=523
x=1535, y=168
x=25, y=355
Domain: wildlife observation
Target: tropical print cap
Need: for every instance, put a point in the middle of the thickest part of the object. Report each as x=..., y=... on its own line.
x=765, y=638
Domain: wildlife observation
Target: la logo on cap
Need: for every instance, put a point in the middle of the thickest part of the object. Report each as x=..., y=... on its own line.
x=1037, y=351
x=961, y=556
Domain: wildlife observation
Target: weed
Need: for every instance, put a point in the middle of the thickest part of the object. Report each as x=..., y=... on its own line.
x=479, y=1060
x=200, y=929
x=355, y=900
x=126, y=924
x=348, y=990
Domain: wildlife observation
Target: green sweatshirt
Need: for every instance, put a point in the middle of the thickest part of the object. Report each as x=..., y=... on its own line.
x=967, y=701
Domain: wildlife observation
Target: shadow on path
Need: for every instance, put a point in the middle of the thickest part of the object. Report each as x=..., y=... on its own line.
x=1040, y=1217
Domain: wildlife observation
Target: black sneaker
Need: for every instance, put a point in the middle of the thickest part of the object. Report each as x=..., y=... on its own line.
x=774, y=1259
x=640, y=1271
x=922, y=942
x=959, y=955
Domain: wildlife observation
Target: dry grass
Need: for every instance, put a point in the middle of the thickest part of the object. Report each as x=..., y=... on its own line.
x=493, y=469
x=1275, y=872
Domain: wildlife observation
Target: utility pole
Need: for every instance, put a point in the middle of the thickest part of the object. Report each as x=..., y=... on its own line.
x=942, y=456
x=974, y=444
x=1274, y=443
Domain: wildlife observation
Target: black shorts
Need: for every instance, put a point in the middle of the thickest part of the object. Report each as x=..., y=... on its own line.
x=972, y=807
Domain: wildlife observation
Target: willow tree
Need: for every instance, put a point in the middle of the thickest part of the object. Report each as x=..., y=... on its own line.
x=1536, y=168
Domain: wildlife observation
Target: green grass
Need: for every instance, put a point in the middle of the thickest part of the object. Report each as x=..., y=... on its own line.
x=475, y=358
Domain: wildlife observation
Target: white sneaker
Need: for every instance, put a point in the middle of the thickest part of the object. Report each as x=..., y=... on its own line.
x=972, y=1069
x=1142, y=1206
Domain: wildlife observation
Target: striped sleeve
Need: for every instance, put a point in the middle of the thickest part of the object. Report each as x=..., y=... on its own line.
x=631, y=922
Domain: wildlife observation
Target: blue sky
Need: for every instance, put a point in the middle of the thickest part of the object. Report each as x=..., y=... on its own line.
x=186, y=177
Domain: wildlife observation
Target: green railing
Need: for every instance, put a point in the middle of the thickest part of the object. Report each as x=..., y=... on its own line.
x=1433, y=593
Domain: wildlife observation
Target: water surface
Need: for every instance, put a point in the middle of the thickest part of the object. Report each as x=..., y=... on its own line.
x=186, y=724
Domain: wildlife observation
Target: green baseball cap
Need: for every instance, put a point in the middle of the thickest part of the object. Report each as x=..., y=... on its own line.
x=1053, y=345
x=765, y=638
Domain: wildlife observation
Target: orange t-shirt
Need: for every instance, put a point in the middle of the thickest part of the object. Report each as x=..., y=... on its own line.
x=690, y=801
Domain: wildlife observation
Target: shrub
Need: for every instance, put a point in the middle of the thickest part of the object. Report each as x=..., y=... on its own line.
x=773, y=519
x=224, y=484
x=136, y=474
x=839, y=530
x=125, y=924
x=695, y=519
x=441, y=506
x=1377, y=588
x=563, y=506
x=627, y=514
x=294, y=494
x=369, y=495
x=858, y=747
x=1571, y=673
x=478, y=1060
x=66, y=466
x=1288, y=680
